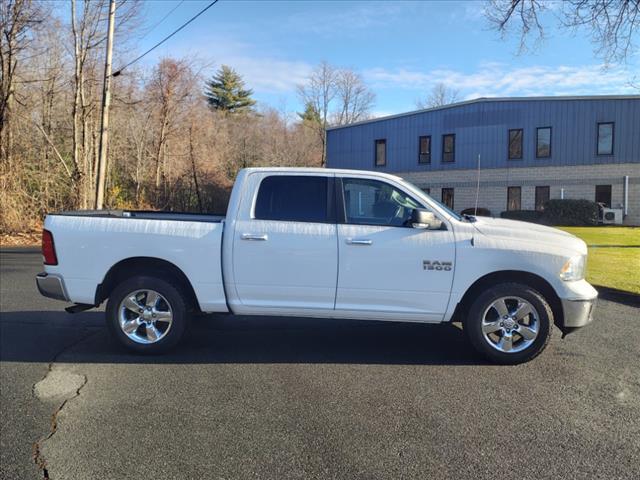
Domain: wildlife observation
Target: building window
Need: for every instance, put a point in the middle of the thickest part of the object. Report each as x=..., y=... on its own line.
x=542, y=197
x=514, y=197
x=605, y=138
x=515, y=144
x=449, y=148
x=603, y=195
x=424, y=149
x=381, y=153
x=427, y=190
x=543, y=142
x=447, y=197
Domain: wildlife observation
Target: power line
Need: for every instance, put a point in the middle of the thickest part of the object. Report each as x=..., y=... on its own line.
x=117, y=72
x=162, y=19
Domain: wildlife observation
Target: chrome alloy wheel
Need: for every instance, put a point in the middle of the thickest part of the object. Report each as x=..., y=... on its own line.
x=510, y=324
x=145, y=316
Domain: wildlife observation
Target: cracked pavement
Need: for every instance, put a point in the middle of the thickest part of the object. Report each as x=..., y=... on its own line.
x=294, y=398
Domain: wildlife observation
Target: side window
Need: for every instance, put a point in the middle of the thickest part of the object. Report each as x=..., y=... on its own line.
x=515, y=144
x=424, y=148
x=543, y=142
x=447, y=197
x=542, y=197
x=294, y=198
x=381, y=152
x=372, y=202
x=514, y=198
x=605, y=138
x=449, y=148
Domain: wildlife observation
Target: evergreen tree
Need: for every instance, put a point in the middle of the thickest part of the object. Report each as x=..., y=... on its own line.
x=310, y=116
x=226, y=92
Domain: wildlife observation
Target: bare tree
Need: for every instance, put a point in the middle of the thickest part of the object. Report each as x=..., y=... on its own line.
x=320, y=92
x=163, y=132
x=354, y=98
x=18, y=19
x=172, y=86
x=611, y=24
x=87, y=31
x=440, y=95
x=334, y=96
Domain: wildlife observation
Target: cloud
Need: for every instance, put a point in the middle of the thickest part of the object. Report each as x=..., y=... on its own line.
x=497, y=79
x=269, y=75
x=348, y=20
x=266, y=73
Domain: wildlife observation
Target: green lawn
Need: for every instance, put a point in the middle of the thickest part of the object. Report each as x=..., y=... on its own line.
x=616, y=266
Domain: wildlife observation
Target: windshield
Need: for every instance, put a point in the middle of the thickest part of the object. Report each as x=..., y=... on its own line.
x=440, y=204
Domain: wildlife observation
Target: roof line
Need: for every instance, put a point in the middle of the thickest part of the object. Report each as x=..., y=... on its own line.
x=488, y=100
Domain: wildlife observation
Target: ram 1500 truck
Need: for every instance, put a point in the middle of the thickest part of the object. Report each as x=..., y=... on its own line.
x=321, y=243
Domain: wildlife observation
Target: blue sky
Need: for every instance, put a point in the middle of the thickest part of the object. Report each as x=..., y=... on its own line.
x=401, y=49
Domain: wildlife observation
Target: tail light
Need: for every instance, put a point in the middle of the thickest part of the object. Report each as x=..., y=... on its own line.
x=48, y=249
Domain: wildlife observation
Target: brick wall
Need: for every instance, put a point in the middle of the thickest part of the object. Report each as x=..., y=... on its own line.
x=578, y=182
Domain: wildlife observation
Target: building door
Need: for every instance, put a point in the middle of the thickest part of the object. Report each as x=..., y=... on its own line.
x=385, y=265
x=603, y=195
x=285, y=254
x=542, y=197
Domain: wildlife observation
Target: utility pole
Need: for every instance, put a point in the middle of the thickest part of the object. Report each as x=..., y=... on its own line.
x=106, y=101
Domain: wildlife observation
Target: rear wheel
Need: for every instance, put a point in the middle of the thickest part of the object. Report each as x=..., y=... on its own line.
x=509, y=323
x=147, y=314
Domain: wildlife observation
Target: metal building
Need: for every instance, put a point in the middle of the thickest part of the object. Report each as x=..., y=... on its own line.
x=529, y=150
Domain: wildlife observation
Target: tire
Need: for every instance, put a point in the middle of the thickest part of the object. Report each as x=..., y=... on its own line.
x=147, y=315
x=509, y=323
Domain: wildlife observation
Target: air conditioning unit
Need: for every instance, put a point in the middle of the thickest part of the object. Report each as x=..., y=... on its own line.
x=612, y=216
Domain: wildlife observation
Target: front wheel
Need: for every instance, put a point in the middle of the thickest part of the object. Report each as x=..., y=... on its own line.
x=147, y=314
x=509, y=323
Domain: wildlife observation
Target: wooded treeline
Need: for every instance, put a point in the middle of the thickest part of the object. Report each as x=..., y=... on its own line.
x=170, y=145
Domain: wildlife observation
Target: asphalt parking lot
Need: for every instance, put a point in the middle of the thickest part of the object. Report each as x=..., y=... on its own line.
x=295, y=398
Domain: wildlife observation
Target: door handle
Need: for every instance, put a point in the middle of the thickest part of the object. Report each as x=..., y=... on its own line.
x=254, y=237
x=354, y=241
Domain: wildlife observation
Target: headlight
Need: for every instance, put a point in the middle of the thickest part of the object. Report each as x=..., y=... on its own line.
x=573, y=269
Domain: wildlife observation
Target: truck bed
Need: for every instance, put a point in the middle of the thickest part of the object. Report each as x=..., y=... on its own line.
x=89, y=243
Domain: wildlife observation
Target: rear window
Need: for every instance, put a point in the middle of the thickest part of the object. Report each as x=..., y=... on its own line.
x=293, y=198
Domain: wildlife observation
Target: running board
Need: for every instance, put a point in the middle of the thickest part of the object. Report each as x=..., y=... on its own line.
x=79, y=307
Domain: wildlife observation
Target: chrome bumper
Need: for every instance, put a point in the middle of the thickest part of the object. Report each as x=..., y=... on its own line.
x=51, y=286
x=578, y=313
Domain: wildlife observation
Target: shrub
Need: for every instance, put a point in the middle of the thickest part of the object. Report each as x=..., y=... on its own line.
x=524, y=215
x=482, y=212
x=559, y=212
x=571, y=212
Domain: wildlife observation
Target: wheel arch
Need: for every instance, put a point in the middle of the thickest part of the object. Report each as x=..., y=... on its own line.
x=132, y=266
x=516, y=276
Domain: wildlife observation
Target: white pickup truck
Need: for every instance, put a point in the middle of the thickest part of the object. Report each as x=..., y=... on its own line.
x=321, y=243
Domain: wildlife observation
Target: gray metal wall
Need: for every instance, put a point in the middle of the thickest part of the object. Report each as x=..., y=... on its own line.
x=482, y=128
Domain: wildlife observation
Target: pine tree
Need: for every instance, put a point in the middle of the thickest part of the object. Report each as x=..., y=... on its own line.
x=226, y=92
x=310, y=116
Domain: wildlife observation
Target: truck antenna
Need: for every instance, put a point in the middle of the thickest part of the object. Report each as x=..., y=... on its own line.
x=475, y=212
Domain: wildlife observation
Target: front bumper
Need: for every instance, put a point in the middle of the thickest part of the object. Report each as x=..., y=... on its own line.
x=51, y=286
x=578, y=313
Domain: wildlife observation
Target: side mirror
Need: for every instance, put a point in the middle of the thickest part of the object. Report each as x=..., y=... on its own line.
x=421, y=218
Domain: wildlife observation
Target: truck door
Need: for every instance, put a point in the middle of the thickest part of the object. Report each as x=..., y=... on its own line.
x=285, y=252
x=386, y=266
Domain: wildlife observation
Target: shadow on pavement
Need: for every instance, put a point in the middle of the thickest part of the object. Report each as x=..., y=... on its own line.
x=82, y=338
x=629, y=299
